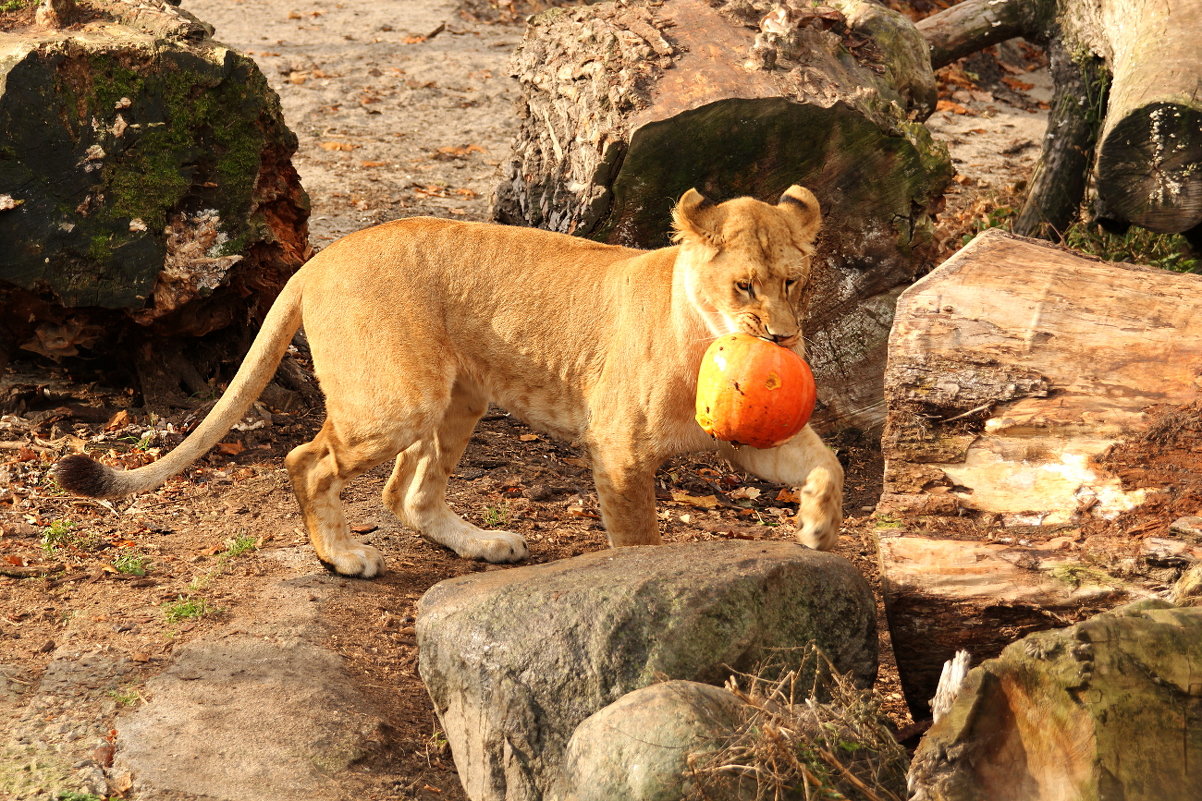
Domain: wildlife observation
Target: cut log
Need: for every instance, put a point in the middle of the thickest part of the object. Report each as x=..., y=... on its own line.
x=625, y=108
x=1030, y=391
x=1015, y=365
x=1106, y=709
x=1148, y=128
x=973, y=25
x=1149, y=165
x=945, y=595
x=146, y=185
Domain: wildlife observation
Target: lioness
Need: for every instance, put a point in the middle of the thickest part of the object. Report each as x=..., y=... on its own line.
x=417, y=325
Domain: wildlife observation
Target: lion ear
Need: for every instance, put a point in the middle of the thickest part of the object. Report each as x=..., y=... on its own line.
x=694, y=218
x=800, y=201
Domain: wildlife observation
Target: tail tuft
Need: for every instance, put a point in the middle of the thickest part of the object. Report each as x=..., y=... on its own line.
x=82, y=475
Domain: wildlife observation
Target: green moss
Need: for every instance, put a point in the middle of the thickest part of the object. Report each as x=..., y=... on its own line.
x=1083, y=575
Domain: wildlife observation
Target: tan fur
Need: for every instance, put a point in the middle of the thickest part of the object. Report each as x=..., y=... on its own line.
x=417, y=325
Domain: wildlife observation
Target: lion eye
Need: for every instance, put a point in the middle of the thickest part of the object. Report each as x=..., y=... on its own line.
x=743, y=286
x=790, y=283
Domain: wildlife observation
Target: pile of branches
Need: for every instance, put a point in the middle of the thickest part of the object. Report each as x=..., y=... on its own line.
x=808, y=733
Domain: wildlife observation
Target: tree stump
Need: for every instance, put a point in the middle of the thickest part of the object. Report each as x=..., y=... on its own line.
x=625, y=108
x=1047, y=403
x=1128, y=74
x=1106, y=709
x=146, y=187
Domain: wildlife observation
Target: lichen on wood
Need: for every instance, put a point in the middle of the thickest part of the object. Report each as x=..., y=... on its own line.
x=150, y=181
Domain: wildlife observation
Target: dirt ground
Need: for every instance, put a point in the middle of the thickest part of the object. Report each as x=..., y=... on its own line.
x=401, y=109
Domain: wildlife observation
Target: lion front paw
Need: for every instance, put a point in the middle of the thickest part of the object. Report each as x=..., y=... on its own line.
x=356, y=561
x=821, y=511
x=495, y=546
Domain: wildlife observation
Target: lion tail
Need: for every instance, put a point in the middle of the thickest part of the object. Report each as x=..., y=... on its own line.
x=82, y=475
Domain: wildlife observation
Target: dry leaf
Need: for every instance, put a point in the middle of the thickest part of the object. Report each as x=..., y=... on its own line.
x=576, y=462
x=947, y=105
x=344, y=146
x=529, y=437
x=373, y=164
x=1016, y=84
x=698, y=501
x=229, y=448
x=788, y=496
x=120, y=420
x=460, y=151
x=745, y=493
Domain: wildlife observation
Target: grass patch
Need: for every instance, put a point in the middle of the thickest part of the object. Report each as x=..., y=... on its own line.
x=496, y=516
x=809, y=734
x=132, y=564
x=13, y=5
x=186, y=608
x=1138, y=245
x=72, y=795
x=126, y=697
x=239, y=545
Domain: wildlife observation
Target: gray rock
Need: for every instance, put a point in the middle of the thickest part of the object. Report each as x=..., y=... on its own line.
x=515, y=659
x=264, y=712
x=1105, y=709
x=638, y=747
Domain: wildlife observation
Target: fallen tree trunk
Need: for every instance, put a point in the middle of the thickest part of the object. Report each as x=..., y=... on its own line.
x=1106, y=709
x=1015, y=365
x=1129, y=71
x=146, y=192
x=1047, y=403
x=625, y=108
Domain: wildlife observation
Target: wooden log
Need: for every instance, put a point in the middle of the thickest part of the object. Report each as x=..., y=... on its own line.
x=1149, y=163
x=973, y=25
x=146, y=186
x=1015, y=364
x=1133, y=69
x=1017, y=371
x=1105, y=709
x=625, y=108
x=944, y=595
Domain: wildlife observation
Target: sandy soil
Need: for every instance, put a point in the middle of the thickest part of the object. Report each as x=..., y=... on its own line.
x=400, y=109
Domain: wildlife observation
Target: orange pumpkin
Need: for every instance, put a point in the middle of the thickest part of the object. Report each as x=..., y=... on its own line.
x=753, y=392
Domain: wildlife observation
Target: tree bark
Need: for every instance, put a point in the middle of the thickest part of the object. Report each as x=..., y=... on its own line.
x=1015, y=365
x=146, y=188
x=1134, y=68
x=626, y=107
x=1105, y=709
x=1058, y=183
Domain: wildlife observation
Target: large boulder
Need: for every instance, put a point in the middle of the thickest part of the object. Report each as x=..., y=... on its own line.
x=146, y=184
x=1106, y=709
x=515, y=659
x=639, y=747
